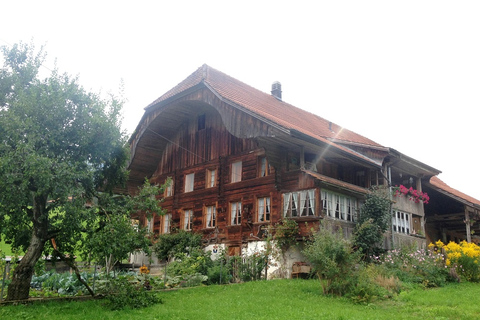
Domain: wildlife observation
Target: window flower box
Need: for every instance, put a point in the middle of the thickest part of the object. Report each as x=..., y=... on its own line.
x=411, y=194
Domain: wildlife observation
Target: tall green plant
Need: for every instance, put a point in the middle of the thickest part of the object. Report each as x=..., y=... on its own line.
x=333, y=260
x=373, y=222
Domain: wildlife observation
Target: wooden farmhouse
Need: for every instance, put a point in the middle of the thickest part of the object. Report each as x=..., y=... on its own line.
x=241, y=160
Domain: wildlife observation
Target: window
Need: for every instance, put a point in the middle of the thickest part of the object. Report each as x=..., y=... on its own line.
x=189, y=179
x=263, y=167
x=187, y=219
x=211, y=178
x=201, y=122
x=210, y=216
x=169, y=189
x=401, y=222
x=165, y=223
x=338, y=206
x=235, y=213
x=236, y=175
x=263, y=209
x=299, y=203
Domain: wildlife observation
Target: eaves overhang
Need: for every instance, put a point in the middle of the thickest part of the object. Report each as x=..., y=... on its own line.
x=438, y=185
x=337, y=184
x=411, y=165
x=346, y=152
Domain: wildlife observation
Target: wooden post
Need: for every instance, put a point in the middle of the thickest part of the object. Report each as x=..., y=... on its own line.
x=302, y=157
x=467, y=225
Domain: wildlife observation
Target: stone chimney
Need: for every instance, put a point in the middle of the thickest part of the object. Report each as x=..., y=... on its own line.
x=277, y=90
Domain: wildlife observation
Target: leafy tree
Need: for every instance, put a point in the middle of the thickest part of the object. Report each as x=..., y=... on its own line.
x=374, y=221
x=113, y=236
x=59, y=144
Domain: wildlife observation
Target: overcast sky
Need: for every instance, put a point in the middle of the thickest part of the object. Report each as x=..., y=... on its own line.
x=405, y=74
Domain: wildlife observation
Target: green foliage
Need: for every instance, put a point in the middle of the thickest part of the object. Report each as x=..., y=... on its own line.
x=416, y=266
x=373, y=222
x=286, y=233
x=333, y=260
x=248, y=268
x=372, y=284
x=61, y=283
x=121, y=294
x=59, y=145
x=196, y=261
x=111, y=236
x=177, y=244
x=115, y=240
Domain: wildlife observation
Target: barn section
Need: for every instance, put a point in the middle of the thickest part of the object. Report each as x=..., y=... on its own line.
x=451, y=214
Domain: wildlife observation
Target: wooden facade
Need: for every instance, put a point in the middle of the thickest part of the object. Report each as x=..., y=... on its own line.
x=241, y=160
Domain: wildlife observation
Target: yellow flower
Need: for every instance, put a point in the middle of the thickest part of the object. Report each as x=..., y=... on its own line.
x=144, y=270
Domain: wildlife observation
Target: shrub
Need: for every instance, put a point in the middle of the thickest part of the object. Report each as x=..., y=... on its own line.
x=248, y=268
x=373, y=283
x=198, y=261
x=464, y=257
x=173, y=244
x=424, y=267
x=333, y=260
x=373, y=222
x=121, y=294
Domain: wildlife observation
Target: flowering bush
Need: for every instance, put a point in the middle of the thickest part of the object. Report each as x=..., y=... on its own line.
x=425, y=267
x=464, y=257
x=412, y=194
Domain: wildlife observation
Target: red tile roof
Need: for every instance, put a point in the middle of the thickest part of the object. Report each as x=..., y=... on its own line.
x=266, y=106
x=437, y=183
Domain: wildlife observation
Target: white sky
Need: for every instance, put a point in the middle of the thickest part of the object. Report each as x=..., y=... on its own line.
x=405, y=74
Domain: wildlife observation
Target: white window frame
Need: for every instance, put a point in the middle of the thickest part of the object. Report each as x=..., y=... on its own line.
x=189, y=182
x=338, y=206
x=210, y=216
x=264, y=209
x=401, y=222
x=235, y=213
x=187, y=219
x=299, y=203
x=236, y=171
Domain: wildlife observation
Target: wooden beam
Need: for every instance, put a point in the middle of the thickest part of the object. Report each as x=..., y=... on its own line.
x=467, y=225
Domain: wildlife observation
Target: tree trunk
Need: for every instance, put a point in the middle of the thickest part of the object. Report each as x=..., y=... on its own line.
x=19, y=288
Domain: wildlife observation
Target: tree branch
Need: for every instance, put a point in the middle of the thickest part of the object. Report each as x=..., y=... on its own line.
x=70, y=261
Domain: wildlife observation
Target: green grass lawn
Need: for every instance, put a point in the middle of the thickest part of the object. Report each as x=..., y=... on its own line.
x=277, y=299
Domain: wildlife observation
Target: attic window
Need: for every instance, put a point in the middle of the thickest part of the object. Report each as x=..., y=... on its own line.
x=201, y=122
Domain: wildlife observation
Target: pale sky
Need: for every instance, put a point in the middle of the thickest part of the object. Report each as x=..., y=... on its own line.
x=405, y=74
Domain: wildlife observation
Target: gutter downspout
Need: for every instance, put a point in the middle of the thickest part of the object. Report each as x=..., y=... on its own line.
x=389, y=173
